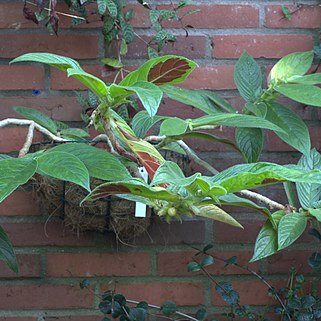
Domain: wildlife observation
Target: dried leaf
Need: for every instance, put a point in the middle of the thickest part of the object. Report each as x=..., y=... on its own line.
x=53, y=22
x=167, y=71
x=29, y=14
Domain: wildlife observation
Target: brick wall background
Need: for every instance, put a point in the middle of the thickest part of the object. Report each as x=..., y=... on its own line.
x=52, y=260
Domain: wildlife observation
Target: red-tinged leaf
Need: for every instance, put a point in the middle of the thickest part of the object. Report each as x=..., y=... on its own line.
x=167, y=71
x=106, y=190
x=29, y=14
x=54, y=22
x=150, y=163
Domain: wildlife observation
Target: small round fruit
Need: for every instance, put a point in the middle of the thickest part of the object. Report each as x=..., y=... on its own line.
x=172, y=211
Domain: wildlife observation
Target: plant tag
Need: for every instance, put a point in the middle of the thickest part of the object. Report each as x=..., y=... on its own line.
x=140, y=208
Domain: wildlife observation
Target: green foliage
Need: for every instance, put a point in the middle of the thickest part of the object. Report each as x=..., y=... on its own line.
x=6, y=251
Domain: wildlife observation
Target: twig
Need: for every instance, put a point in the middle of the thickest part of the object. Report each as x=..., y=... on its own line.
x=26, y=146
x=58, y=12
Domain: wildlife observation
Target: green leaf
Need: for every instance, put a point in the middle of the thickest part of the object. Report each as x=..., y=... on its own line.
x=248, y=77
x=60, y=62
x=266, y=243
x=111, y=62
x=201, y=314
x=38, y=117
x=6, y=251
x=74, y=133
x=250, y=142
x=315, y=213
x=168, y=308
x=313, y=79
x=137, y=314
x=305, y=94
x=128, y=31
x=207, y=260
x=99, y=163
x=173, y=126
x=295, y=132
x=193, y=267
x=297, y=63
x=133, y=186
x=4, y=156
x=112, y=8
x=258, y=109
x=170, y=172
x=234, y=120
x=207, y=101
x=142, y=122
x=215, y=213
x=286, y=12
x=95, y=84
x=63, y=166
x=15, y=172
x=161, y=70
x=309, y=194
x=290, y=228
x=149, y=94
x=102, y=6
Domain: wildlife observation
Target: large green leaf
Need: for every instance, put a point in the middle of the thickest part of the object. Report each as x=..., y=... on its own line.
x=142, y=122
x=248, y=78
x=258, y=109
x=207, y=101
x=234, y=120
x=99, y=163
x=60, y=62
x=290, y=228
x=309, y=194
x=295, y=132
x=6, y=251
x=38, y=117
x=312, y=79
x=250, y=142
x=305, y=94
x=215, y=213
x=161, y=70
x=173, y=126
x=63, y=166
x=74, y=133
x=15, y=172
x=95, y=84
x=134, y=187
x=266, y=242
x=171, y=173
x=315, y=212
x=246, y=176
x=297, y=63
x=149, y=94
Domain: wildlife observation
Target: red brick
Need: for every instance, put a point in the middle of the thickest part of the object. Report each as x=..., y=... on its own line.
x=104, y=264
x=306, y=17
x=282, y=262
x=18, y=318
x=19, y=203
x=260, y=46
x=191, y=47
x=175, y=263
x=29, y=266
x=211, y=77
x=17, y=138
x=42, y=296
x=14, y=45
x=224, y=233
x=182, y=293
x=63, y=108
x=53, y=234
x=215, y=16
x=141, y=16
x=11, y=16
x=21, y=77
x=75, y=318
x=252, y=292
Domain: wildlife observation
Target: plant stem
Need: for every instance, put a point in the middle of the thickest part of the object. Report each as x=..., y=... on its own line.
x=290, y=193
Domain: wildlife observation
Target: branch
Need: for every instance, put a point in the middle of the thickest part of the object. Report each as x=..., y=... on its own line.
x=24, y=150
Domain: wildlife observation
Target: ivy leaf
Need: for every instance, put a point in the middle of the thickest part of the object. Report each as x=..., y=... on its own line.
x=169, y=308
x=112, y=8
x=193, y=267
x=128, y=31
x=290, y=228
x=250, y=142
x=6, y=251
x=248, y=78
x=295, y=132
x=102, y=6
x=207, y=260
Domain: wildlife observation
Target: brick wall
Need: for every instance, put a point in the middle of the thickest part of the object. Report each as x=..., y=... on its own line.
x=53, y=260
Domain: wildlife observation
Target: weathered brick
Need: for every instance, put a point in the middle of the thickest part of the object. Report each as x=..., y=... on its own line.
x=19, y=203
x=182, y=293
x=18, y=318
x=175, y=263
x=17, y=138
x=29, y=266
x=44, y=296
x=305, y=17
x=75, y=318
x=11, y=16
x=109, y=264
x=13, y=45
x=63, y=108
x=215, y=16
x=260, y=46
x=36, y=234
x=21, y=77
